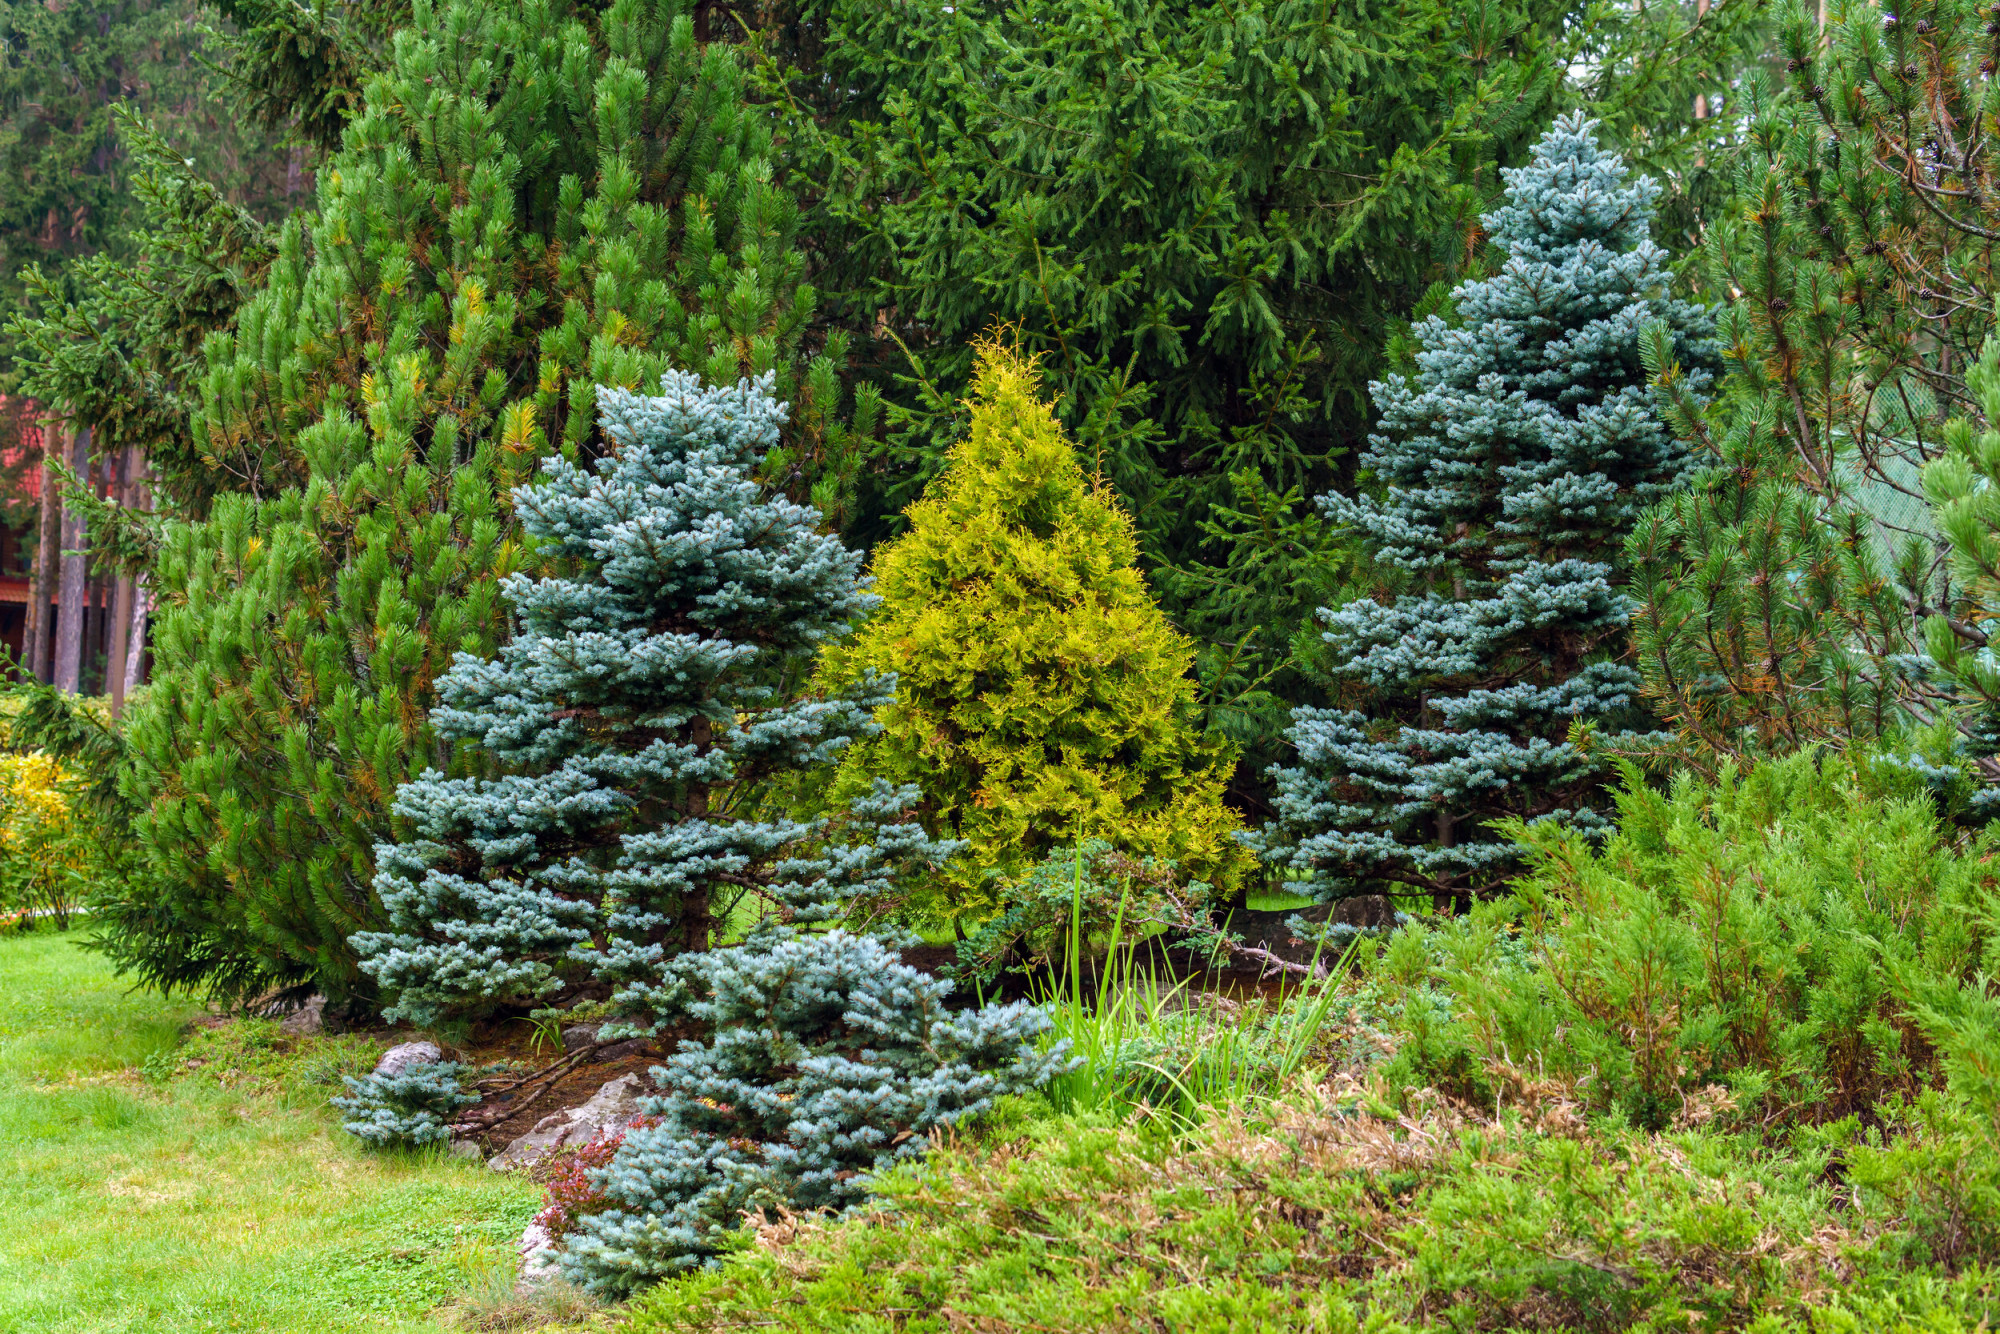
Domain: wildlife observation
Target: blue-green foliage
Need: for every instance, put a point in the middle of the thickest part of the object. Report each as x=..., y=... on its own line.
x=824, y=1060
x=1513, y=466
x=641, y=706
x=642, y=712
x=410, y=1106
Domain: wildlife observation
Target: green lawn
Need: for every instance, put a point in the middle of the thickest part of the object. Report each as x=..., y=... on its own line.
x=183, y=1204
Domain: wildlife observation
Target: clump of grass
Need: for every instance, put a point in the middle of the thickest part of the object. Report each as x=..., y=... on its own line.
x=1164, y=1047
x=495, y=1302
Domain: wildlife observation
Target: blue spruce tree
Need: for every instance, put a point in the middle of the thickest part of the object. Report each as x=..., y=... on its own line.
x=1513, y=467
x=644, y=730
x=640, y=718
x=824, y=1060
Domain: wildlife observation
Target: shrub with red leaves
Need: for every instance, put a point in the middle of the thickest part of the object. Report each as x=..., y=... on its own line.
x=570, y=1194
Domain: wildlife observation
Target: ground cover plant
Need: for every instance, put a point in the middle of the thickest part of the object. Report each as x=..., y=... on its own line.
x=1729, y=1071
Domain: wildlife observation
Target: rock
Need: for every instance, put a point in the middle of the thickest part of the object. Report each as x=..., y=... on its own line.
x=308, y=1021
x=466, y=1148
x=406, y=1055
x=537, y=1250
x=610, y=1108
x=578, y=1036
x=618, y=1051
x=1268, y=930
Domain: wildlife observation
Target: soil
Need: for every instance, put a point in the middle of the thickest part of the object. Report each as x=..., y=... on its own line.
x=573, y=1089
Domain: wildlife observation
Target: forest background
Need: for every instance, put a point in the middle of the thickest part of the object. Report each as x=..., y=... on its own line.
x=1212, y=228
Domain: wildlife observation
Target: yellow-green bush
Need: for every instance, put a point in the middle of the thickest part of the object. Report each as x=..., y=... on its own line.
x=46, y=855
x=1041, y=695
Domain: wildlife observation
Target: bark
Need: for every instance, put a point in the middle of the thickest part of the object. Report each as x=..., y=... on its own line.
x=123, y=485
x=74, y=586
x=135, y=644
x=42, y=583
x=135, y=647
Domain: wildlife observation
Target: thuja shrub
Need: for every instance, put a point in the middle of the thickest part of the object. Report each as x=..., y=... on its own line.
x=1787, y=944
x=1042, y=696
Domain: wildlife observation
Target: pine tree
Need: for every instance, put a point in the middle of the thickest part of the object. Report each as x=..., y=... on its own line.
x=531, y=202
x=1042, y=696
x=1513, y=466
x=1788, y=599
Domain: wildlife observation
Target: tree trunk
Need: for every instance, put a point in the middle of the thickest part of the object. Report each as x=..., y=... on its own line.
x=42, y=583
x=71, y=597
x=134, y=666
x=135, y=646
x=124, y=483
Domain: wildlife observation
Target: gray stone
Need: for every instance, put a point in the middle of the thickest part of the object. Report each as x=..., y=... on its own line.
x=407, y=1055
x=578, y=1036
x=308, y=1021
x=537, y=1250
x=467, y=1148
x=610, y=1108
x=618, y=1051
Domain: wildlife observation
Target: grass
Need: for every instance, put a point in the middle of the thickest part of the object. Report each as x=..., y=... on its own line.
x=1142, y=1043
x=217, y=1194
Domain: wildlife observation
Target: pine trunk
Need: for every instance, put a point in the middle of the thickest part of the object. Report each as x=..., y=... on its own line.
x=133, y=668
x=74, y=590
x=123, y=483
x=42, y=587
x=135, y=644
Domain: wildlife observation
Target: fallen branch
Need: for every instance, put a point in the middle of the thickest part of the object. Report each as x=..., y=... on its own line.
x=548, y=1076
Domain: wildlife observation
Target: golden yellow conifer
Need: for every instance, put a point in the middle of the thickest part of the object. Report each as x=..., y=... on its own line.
x=1042, y=697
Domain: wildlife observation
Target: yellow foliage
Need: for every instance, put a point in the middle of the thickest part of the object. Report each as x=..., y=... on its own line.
x=1041, y=697
x=42, y=842
x=30, y=795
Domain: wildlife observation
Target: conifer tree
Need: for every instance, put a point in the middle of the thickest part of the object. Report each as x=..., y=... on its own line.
x=822, y=1060
x=531, y=201
x=640, y=706
x=1514, y=465
x=1786, y=600
x=1210, y=220
x=68, y=72
x=642, y=709
x=1042, y=697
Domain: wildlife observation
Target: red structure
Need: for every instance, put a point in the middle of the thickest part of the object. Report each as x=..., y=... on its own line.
x=20, y=460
